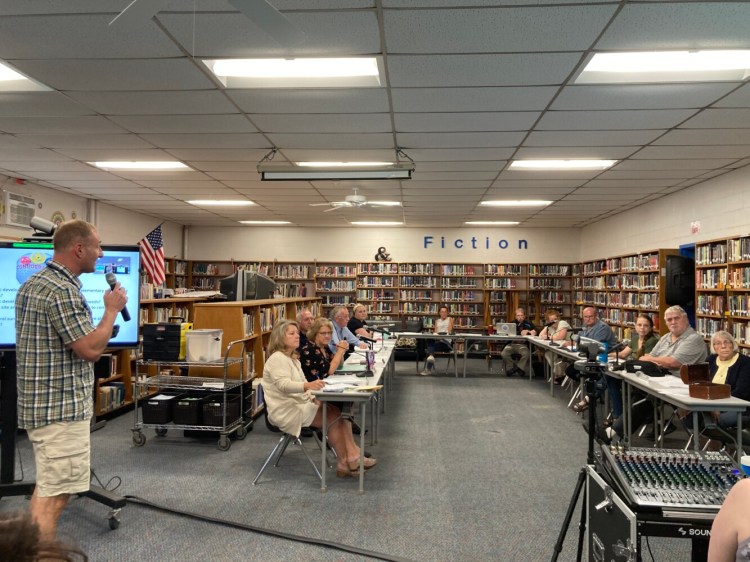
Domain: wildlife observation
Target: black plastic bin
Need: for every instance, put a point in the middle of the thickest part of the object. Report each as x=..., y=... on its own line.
x=213, y=410
x=188, y=409
x=159, y=412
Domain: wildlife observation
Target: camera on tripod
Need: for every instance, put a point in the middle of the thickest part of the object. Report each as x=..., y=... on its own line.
x=591, y=366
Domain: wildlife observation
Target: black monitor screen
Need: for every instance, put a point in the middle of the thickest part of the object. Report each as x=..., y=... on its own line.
x=20, y=260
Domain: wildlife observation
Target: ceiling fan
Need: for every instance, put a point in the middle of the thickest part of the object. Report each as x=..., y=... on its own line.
x=354, y=200
x=260, y=12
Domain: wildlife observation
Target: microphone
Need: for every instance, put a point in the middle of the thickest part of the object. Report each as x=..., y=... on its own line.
x=379, y=330
x=368, y=340
x=112, y=281
x=548, y=324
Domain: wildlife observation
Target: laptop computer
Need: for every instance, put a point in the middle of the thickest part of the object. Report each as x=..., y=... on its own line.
x=505, y=328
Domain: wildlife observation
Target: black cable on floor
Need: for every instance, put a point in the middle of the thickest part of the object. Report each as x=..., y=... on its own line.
x=270, y=532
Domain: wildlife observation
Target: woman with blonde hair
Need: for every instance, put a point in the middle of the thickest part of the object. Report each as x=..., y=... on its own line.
x=358, y=322
x=290, y=404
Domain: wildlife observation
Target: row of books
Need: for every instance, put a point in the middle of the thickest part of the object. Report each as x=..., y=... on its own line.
x=711, y=278
x=378, y=268
x=711, y=254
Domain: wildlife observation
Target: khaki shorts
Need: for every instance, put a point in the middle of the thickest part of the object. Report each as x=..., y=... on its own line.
x=62, y=454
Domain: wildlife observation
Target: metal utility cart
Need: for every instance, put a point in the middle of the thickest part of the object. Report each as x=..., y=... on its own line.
x=186, y=383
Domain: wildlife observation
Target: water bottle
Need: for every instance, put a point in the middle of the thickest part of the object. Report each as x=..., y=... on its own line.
x=603, y=356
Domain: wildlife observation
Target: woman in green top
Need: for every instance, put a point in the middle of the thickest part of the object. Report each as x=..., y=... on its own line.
x=643, y=339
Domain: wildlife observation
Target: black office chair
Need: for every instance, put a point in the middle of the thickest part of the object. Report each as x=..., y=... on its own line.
x=409, y=347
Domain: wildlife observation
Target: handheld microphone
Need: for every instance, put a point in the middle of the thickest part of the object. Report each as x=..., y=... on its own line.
x=112, y=281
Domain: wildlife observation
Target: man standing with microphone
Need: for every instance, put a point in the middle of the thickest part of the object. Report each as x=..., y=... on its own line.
x=56, y=347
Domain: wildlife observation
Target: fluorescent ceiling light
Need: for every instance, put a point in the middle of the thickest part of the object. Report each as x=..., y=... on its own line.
x=342, y=164
x=665, y=66
x=385, y=203
x=297, y=72
x=265, y=222
x=494, y=223
x=281, y=172
x=140, y=165
x=13, y=81
x=376, y=223
x=561, y=164
x=517, y=203
x=220, y=202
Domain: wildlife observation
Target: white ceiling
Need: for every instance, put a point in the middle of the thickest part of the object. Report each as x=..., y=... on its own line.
x=471, y=84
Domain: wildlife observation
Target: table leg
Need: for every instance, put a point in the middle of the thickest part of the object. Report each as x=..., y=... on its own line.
x=696, y=432
x=738, y=453
x=362, y=450
x=323, y=471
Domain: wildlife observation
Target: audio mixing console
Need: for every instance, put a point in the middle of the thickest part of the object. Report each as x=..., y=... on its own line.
x=671, y=479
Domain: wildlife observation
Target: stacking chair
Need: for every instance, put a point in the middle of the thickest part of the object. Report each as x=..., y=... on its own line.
x=449, y=354
x=713, y=432
x=278, y=451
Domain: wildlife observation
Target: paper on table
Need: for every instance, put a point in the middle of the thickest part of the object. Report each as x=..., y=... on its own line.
x=338, y=387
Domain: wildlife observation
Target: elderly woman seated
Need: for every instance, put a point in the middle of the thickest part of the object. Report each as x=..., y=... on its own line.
x=291, y=405
x=726, y=365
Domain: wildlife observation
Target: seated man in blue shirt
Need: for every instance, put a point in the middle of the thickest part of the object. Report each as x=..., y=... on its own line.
x=340, y=318
x=596, y=329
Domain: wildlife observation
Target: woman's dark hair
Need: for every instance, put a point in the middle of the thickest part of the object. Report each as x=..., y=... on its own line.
x=641, y=351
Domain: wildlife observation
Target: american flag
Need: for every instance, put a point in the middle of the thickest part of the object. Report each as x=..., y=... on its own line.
x=152, y=254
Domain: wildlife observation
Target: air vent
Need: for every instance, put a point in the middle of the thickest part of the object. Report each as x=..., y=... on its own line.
x=18, y=209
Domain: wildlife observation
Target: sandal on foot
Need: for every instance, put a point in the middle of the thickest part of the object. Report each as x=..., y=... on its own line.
x=581, y=406
x=345, y=472
x=369, y=463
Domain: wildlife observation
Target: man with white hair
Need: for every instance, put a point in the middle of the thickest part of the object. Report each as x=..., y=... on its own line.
x=680, y=346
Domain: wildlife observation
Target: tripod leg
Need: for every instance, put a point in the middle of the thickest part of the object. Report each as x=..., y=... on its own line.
x=569, y=516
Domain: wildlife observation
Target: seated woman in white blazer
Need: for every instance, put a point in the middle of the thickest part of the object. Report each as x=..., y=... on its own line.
x=291, y=406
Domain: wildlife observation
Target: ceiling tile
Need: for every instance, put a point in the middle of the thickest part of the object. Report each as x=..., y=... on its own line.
x=495, y=29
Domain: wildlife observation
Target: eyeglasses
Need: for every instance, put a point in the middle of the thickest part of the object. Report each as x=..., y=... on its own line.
x=325, y=333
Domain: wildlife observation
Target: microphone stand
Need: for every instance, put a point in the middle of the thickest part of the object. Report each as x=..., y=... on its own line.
x=549, y=337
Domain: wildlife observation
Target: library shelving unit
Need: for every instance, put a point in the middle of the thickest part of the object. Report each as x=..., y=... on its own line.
x=622, y=287
x=549, y=287
x=114, y=385
x=176, y=273
x=294, y=280
x=335, y=284
x=505, y=289
x=711, y=287
x=738, y=279
x=162, y=310
x=205, y=276
x=378, y=289
x=722, y=288
x=250, y=322
x=419, y=292
x=461, y=290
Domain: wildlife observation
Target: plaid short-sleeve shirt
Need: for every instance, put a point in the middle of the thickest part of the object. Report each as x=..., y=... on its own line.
x=53, y=383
